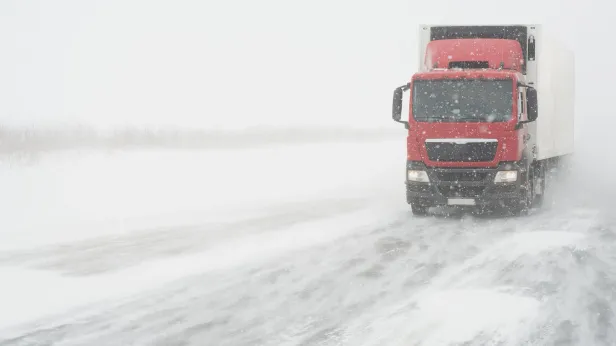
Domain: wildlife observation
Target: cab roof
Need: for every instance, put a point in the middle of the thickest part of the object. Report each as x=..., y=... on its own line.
x=468, y=74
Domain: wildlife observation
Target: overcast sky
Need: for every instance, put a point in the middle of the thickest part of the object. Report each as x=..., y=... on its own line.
x=238, y=63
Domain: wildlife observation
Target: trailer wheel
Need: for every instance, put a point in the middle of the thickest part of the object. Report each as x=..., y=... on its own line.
x=539, y=185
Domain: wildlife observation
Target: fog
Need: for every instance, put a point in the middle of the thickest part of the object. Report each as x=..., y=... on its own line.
x=213, y=65
x=236, y=64
x=299, y=197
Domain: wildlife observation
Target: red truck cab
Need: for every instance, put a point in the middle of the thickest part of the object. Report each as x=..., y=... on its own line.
x=488, y=115
x=467, y=143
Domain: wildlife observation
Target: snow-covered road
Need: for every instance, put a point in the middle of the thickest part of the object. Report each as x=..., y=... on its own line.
x=304, y=245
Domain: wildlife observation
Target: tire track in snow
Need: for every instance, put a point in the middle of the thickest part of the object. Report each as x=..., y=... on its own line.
x=291, y=283
x=112, y=253
x=408, y=281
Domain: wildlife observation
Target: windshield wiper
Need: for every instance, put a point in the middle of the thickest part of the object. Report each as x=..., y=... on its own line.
x=469, y=119
x=451, y=119
x=428, y=120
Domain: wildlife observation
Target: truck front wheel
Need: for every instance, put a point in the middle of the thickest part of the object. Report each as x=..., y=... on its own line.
x=419, y=209
x=527, y=194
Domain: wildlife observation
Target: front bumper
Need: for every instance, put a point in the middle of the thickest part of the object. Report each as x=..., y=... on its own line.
x=465, y=183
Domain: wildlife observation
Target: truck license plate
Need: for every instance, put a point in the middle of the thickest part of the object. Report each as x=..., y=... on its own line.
x=461, y=201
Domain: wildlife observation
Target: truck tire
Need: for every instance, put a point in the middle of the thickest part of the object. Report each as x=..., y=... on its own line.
x=419, y=209
x=416, y=207
x=523, y=205
x=521, y=208
x=539, y=185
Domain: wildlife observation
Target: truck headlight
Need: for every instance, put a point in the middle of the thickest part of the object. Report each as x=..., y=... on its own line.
x=417, y=176
x=506, y=177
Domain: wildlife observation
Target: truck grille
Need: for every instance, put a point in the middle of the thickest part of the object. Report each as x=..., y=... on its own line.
x=461, y=152
x=461, y=191
x=461, y=176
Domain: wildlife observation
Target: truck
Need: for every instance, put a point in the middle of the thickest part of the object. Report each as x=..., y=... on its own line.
x=490, y=113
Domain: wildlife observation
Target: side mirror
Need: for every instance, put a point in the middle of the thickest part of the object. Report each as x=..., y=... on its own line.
x=396, y=111
x=532, y=105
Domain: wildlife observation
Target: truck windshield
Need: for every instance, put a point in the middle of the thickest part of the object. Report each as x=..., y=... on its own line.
x=463, y=100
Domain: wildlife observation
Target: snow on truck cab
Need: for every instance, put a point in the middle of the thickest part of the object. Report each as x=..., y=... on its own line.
x=490, y=112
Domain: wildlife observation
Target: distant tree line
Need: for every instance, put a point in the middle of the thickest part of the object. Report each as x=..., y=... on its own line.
x=30, y=140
